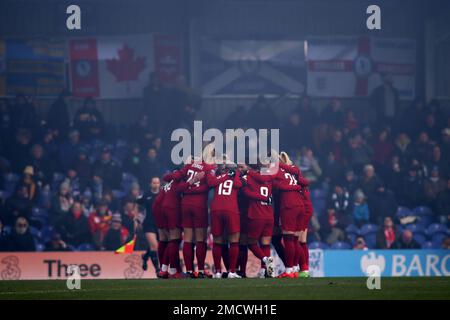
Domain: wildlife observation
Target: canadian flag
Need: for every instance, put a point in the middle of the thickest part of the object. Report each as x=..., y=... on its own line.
x=119, y=66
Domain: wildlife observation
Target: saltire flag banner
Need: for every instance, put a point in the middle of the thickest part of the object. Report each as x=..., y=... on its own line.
x=353, y=66
x=127, y=248
x=33, y=66
x=248, y=67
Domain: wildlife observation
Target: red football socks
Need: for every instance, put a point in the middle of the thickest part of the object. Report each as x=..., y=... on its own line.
x=217, y=257
x=233, y=252
x=200, y=252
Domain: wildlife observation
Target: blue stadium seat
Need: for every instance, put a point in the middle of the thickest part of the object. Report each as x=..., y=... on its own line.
x=403, y=212
x=35, y=232
x=428, y=245
x=368, y=229
x=438, y=238
x=318, y=245
x=422, y=211
x=85, y=247
x=7, y=229
x=416, y=228
x=352, y=229
x=420, y=238
x=339, y=245
x=436, y=228
x=40, y=247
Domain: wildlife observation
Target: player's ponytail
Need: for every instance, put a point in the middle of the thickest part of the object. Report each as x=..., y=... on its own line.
x=208, y=153
x=284, y=157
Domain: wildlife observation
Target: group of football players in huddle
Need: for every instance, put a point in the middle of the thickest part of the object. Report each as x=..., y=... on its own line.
x=252, y=207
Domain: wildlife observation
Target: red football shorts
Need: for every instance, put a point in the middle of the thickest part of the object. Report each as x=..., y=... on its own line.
x=258, y=228
x=194, y=217
x=291, y=218
x=170, y=218
x=224, y=222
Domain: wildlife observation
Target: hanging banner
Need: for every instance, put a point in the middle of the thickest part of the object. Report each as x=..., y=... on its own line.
x=251, y=67
x=352, y=66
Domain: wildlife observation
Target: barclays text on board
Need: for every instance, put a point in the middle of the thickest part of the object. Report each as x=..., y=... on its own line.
x=392, y=263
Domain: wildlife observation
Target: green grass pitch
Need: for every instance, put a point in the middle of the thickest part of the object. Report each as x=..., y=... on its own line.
x=312, y=288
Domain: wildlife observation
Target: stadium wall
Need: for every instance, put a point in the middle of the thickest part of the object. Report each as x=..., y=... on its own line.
x=323, y=263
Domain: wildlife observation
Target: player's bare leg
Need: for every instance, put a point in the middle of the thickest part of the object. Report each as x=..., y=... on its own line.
x=174, y=257
x=200, y=251
x=233, y=239
x=188, y=251
x=151, y=252
x=304, y=267
x=217, y=257
x=262, y=252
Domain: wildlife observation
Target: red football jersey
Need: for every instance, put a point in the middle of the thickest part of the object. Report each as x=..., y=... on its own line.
x=172, y=197
x=194, y=194
x=226, y=191
x=289, y=188
x=157, y=203
x=258, y=190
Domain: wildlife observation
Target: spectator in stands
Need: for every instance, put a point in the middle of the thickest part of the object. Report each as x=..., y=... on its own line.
x=42, y=165
x=150, y=166
x=133, y=162
x=406, y=241
x=5, y=118
x=117, y=234
x=443, y=201
x=24, y=113
x=351, y=182
x=332, y=228
x=19, y=150
x=130, y=213
x=403, y=148
x=332, y=169
x=433, y=186
x=333, y=115
x=69, y=150
x=370, y=183
x=61, y=203
x=386, y=235
x=335, y=145
x=382, y=149
x=154, y=102
x=423, y=148
x=89, y=121
x=3, y=238
x=20, y=238
x=99, y=222
x=74, y=227
x=385, y=205
x=108, y=170
x=411, y=193
x=29, y=182
x=360, y=244
x=385, y=101
x=58, y=118
x=437, y=161
x=83, y=168
x=56, y=244
x=294, y=133
x=359, y=153
x=431, y=127
x=309, y=165
x=394, y=176
x=340, y=202
x=360, y=209
x=18, y=205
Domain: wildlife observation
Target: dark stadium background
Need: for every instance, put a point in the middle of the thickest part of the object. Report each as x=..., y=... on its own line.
x=410, y=163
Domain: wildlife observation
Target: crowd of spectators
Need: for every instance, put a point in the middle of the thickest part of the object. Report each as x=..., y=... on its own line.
x=70, y=183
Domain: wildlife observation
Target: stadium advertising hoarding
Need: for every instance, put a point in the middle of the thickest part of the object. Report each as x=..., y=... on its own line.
x=328, y=263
